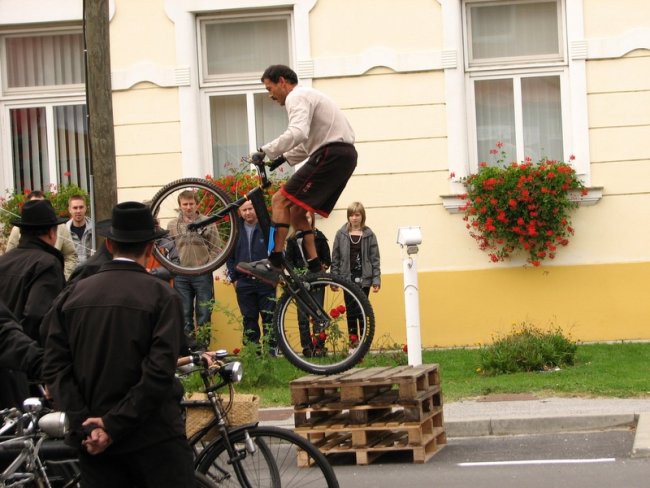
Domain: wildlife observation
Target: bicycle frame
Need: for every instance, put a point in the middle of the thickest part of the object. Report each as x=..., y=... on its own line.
x=225, y=433
x=294, y=285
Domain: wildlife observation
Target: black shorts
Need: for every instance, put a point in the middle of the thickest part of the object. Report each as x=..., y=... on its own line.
x=318, y=184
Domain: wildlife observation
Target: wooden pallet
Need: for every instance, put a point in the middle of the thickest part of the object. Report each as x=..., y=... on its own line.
x=372, y=411
x=362, y=384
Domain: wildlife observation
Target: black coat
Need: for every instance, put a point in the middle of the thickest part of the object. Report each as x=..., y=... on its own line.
x=31, y=278
x=111, y=352
x=19, y=356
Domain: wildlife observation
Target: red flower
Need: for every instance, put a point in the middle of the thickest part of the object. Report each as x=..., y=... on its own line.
x=341, y=308
x=236, y=351
x=405, y=348
x=354, y=338
x=334, y=313
x=322, y=336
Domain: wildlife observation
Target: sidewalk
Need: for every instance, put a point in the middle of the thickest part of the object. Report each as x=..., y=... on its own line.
x=527, y=414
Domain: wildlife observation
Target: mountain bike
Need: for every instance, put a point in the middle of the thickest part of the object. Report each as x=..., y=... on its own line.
x=310, y=319
x=252, y=456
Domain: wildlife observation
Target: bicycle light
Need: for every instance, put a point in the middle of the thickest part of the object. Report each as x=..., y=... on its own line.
x=54, y=424
x=232, y=372
x=32, y=405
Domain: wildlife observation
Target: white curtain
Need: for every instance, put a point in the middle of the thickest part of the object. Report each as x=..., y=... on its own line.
x=50, y=60
x=542, y=117
x=71, y=144
x=495, y=118
x=29, y=148
x=270, y=119
x=245, y=46
x=229, y=130
x=522, y=29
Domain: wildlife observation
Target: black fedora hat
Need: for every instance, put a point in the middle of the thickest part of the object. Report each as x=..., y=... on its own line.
x=132, y=222
x=38, y=213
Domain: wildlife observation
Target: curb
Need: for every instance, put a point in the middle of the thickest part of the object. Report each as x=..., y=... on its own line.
x=540, y=425
x=641, y=446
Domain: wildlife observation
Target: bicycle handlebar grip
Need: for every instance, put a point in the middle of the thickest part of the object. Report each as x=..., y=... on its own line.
x=277, y=162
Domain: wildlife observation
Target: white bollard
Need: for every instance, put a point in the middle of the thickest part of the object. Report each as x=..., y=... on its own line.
x=411, y=237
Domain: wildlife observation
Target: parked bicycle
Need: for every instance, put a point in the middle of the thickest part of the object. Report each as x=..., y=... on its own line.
x=319, y=345
x=250, y=455
x=31, y=452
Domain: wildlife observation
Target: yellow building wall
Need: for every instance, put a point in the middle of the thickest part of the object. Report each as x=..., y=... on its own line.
x=595, y=286
x=606, y=302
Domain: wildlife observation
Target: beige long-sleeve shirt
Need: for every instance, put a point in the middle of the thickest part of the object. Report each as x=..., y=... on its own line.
x=63, y=243
x=314, y=120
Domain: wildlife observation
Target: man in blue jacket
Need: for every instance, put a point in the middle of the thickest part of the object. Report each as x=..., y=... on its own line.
x=256, y=299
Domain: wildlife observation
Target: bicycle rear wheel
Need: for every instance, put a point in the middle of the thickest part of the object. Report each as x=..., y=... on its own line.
x=286, y=449
x=194, y=252
x=328, y=348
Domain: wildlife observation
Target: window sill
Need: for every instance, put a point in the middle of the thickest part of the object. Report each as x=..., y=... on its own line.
x=453, y=203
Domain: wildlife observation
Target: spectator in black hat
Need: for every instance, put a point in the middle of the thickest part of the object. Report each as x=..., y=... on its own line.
x=32, y=276
x=110, y=356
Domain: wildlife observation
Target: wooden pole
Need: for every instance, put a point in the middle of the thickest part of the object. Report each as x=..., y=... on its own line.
x=99, y=102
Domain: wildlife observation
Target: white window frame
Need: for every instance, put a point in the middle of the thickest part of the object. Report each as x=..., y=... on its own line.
x=457, y=103
x=250, y=116
x=516, y=77
x=238, y=79
x=48, y=103
x=31, y=97
x=247, y=84
x=195, y=158
x=8, y=92
x=521, y=61
x=503, y=68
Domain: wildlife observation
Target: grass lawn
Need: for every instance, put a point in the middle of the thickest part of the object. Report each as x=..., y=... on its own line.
x=608, y=370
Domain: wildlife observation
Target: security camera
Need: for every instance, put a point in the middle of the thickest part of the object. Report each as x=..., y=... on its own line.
x=409, y=236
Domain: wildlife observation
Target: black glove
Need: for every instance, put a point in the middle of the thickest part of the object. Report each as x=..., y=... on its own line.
x=277, y=162
x=258, y=157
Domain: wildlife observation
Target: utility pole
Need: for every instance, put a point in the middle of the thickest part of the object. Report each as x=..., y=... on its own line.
x=99, y=104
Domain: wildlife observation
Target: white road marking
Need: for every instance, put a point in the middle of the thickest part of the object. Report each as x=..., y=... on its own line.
x=537, y=461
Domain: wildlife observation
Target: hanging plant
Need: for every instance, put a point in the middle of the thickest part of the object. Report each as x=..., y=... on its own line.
x=521, y=206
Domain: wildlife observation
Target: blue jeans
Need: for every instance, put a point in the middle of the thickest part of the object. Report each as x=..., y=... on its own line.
x=197, y=292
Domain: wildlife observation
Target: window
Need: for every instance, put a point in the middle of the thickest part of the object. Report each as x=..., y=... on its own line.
x=43, y=105
x=234, y=53
x=516, y=69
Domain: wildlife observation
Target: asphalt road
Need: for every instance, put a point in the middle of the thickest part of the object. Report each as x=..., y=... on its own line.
x=570, y=460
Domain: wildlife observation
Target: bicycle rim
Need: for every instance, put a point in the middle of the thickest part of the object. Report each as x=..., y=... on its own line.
x=285, y=449
x=333, y=348
x=198, y=251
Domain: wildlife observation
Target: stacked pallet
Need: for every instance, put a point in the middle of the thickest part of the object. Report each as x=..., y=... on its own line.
x=372, y=411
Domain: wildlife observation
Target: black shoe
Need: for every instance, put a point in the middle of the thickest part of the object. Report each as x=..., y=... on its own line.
x=263, y=270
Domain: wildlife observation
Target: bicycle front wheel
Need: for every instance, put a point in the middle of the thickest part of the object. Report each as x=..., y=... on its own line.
x=325, y=348
x=201, y=250
x=297, y=463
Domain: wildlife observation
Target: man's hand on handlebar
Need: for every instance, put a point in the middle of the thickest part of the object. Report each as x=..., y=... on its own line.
x=258, y=158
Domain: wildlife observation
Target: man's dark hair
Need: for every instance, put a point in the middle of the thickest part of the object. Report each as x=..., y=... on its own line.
x=274, y=72
x=76, y=196
x=129, y=248
x=36, y=194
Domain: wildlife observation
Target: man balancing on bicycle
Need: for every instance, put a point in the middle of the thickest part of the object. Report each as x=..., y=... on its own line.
x=319, y=132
